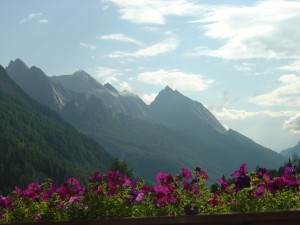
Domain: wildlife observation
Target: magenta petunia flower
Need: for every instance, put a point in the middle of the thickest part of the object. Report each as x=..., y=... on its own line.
x=62, y=191
x=74, y=182
x=140, y=197
x=34, y=186
x=187, y=186
x=37, y=217
x=242, y=170
x=47, y=195
x=96, y=177
x=18, y=190
x=259, y=192
x=261, y=172
x=276, y=185
x=161, y=189
x=161, y=176
x=75, y=199
x=145, y=189
x=5, y=202
x=186, y=174
x=224, y=184
x=241, y=182
x=127, y=182
x=28, y=193
x=201, y=173
x=214, y=202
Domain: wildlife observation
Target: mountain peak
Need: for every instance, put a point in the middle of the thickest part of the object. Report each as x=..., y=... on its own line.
x=166, y=94
x=175, y=110
x=167, y=88
x=111, y=88
x=17, y=64
x=82, y=73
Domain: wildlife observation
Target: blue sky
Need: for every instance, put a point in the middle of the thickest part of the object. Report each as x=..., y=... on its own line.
x=241, y=59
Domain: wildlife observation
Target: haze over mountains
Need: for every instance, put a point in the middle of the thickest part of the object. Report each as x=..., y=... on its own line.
x=170, y=133
x=290, y=152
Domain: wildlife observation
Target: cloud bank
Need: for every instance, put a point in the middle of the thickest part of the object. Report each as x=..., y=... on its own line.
x=176, y=79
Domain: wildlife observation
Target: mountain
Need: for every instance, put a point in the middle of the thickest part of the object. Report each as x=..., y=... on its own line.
x=37, y=85
x=82, y=82
x=172, y=132
x=35, y=143
x=175, y=110
x=291, y=151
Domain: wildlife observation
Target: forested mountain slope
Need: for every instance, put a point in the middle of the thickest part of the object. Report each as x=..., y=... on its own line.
x=35, y=143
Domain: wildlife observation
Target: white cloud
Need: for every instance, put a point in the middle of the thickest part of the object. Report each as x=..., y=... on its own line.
x=108, y=75
x=154, y=11
x=288, y=94
x=120, y=37
x=293, y=124
x=31, y=17
x=43, y=21
x=237, y=114
x=85, y=45
x=244, y=67
x=165, y=46
x=176, y=79
x=292, y=67
x=120, y=85
x=168, y=45
x=268, y=29
x=288, y=78
x=148, y=98
x=152, y=29
x=264, y=127
x=101, y=73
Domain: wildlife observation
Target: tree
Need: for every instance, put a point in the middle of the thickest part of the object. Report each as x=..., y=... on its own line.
x=122, y=166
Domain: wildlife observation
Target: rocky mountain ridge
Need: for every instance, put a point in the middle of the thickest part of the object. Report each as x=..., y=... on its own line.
x=170, y=133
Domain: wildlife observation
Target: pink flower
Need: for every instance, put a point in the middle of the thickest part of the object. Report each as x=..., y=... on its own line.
x=127, y=182
x=214, y=202
x=201, y=173
x=161, y=189
x=224, y=183
x=186, y=174
x=276, y=185
x=161, y=176
x=259, y=192
x=187, y=186
x=18, y=190
x=62, y=191
x=74, y=182
x=96, y=177
x=5, y=202
x=75, y=199
x=242, y=170
x=140, y=197
x=38, y=217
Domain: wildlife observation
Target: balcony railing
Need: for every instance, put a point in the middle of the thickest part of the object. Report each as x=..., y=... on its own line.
x=291, y=217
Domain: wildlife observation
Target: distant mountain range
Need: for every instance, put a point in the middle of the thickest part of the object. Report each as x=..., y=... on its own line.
x=290, y=152
x=170, y=133
x=36, y=143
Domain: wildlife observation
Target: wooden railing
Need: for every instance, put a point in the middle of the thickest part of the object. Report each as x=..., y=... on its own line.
x=291, y=217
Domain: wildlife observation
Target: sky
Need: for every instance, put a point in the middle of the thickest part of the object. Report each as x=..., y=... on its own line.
x=240, y=59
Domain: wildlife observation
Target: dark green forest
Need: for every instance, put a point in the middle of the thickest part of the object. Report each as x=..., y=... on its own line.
x=35, y=143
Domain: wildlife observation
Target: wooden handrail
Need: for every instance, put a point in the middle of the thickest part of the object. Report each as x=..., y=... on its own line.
x=291, y=217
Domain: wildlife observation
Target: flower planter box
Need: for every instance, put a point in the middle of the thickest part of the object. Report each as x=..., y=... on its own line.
x=291, y=217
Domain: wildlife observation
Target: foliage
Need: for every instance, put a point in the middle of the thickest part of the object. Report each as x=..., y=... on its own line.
x=114, y=195
x=122, y=166
x=35, y=142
